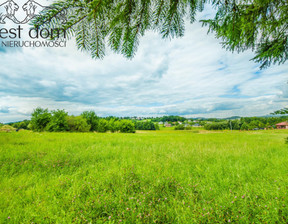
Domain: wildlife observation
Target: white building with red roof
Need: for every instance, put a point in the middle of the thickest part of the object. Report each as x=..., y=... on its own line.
x=282, y=125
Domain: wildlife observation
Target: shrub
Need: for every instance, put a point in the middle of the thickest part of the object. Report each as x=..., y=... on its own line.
x=217, y=126
x=77, y=123
x=92, y=119
x=235, y=125
x=117, y=125
x=157, y=126
x=179, y=127
x=40, y=119
x=113, y=125
x=103, y=126
x=127, y=126
x=58, y=121
x=244, y=126
x=7, y=128
x=148, y=125
x=21, y=125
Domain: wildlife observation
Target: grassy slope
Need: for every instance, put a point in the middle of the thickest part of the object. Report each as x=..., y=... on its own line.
x=164, y=176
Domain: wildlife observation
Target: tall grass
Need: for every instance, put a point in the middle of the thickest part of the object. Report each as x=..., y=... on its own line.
x=161, y=177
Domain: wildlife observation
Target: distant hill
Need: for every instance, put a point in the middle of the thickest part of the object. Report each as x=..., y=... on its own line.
x=232, y=118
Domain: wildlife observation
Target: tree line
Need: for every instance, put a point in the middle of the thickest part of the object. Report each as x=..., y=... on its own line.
x=147, y=125
x=88, y=121
x=246, y=123
x=170, y=118
x=60, y=121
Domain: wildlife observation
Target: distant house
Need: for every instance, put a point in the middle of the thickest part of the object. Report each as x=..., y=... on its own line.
x=167, y=124
x=282, y=125
x=196, y=125
x=160, y=123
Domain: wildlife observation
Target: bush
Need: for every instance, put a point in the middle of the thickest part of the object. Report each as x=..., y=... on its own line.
x=235, y=125
x=113, y=125
x=148, y=125
x=179, y=127
x=92, y=119
x=244, y=126
x=21, y=125
x=40, y=119
x=127, y=126
x=157, y=126
x=7, y=128
x=103, y=126
x=217, y=126
x=58, y=121
x=78, y=124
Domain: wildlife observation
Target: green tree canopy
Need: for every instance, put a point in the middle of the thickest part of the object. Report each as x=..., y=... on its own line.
x=281, y=111
x=113, y=125
x=58, y=121
x=244, y=126
x=127, y=126
x=92, y=119
x=40, y=119
x=103, y=126
x=260, y=25
x=77, y=124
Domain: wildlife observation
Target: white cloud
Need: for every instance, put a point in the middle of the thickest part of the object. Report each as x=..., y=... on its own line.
x=191, y=76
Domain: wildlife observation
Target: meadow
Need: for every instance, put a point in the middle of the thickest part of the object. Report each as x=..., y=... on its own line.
x=161, y=176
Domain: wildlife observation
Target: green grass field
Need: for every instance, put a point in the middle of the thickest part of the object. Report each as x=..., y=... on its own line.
x=162, y=177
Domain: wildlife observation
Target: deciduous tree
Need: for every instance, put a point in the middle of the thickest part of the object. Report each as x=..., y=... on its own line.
x=77, y=124
x=58, y=121
x=259, y=25
x=92, y=119
x=40, y=119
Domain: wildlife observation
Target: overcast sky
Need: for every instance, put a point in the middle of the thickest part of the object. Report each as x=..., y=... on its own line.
x=192, y=76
